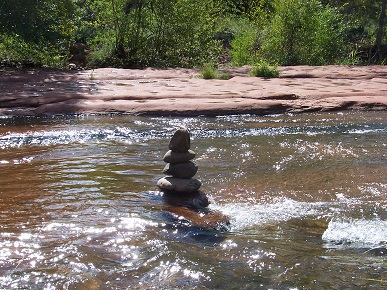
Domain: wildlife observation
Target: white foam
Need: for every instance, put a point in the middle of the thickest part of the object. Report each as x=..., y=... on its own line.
x=246, y=215
x=54, y=137
x=356, y=232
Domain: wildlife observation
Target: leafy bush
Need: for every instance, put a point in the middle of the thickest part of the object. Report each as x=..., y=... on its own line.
x=15, y=51
x=303, y=32
x=209, y=72
x=35, y=33
x=242, y=51
x=244, y=44
x=263, y=69
x=190, y=33
x=161, y=33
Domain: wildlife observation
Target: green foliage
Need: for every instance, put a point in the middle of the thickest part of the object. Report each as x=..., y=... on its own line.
x=209, y=72
x=246, y=30
x=363, y=17
x=156, y=33
x=191, y=33
x=37, y=21
x=303, y=32
x=35, y=32
x=15, y=51
x=244, y=44
x=263, y=69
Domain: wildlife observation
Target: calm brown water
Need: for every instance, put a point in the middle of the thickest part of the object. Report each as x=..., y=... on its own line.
x=306, y=195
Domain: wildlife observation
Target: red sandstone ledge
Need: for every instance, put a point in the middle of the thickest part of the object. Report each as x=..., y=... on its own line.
x=173, y=92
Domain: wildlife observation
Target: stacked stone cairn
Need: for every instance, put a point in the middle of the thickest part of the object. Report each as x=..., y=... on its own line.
x=179, y=168
x=181, y=190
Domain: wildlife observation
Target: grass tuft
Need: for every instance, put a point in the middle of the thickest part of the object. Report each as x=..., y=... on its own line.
x=264, y=70
x=209, y=72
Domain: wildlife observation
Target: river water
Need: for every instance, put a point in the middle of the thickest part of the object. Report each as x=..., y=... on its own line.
x=306, y=196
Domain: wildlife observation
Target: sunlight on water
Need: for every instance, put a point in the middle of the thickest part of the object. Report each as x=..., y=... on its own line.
x=305, y=151
x=306, y=196
x=244, y=216
x=48, y=138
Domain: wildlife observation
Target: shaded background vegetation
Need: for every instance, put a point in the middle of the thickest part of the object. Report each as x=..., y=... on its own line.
x=191, y=33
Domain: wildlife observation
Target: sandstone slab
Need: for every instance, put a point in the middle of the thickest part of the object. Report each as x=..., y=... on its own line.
x=178, y=92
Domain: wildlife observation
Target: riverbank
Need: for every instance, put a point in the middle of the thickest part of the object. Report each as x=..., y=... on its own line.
x=42, y=92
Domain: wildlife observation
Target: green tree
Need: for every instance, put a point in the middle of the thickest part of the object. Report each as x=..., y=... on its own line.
x=302, y=32
x=35, y=31
x=379, y=35
x=155, y=33
x=366, y=30
x=37, y=20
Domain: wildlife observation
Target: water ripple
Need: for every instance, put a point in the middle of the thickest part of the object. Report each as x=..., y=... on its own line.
x=244, y=216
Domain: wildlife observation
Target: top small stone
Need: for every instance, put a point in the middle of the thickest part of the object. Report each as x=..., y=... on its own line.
x=180, y=142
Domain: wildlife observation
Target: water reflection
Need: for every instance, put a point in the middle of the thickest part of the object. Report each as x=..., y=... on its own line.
x=306, y=196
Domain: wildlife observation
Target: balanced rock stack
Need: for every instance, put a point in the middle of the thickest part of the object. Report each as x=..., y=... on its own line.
x=180, y=169
x=186, y=204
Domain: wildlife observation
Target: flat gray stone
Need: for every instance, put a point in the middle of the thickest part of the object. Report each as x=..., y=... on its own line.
x=177, y=157
x=180, y=141
x=182, y=185
x=181, y=170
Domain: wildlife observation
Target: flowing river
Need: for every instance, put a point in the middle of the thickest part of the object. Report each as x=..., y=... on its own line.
x=306, y=196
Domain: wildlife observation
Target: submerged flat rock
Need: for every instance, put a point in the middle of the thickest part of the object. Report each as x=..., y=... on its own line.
x=186, y=217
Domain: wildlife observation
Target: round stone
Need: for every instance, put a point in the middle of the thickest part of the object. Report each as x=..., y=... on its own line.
x=181, y=170
x=177, y=157
x=182, y=185
x=180, y=141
